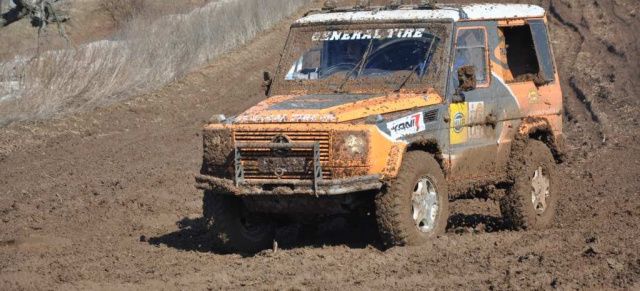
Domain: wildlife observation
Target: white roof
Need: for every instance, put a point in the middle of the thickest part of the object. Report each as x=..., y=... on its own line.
x=472, y=12
x=500, y=11
x=364, y=16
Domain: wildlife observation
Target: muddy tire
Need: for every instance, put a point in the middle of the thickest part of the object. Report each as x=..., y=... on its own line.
x=532, y=199
x=233, y=229
x=414, y=207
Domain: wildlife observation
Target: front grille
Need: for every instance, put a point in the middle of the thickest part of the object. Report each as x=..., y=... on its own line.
x=250, y=156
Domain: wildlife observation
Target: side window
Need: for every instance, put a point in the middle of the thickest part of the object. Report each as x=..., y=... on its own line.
x=471, y=49
x=528, y=53
x=307, y=66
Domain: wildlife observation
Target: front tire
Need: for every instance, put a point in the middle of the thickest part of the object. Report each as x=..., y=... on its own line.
x=414, y=207
x=531, y=201
x=232, y=228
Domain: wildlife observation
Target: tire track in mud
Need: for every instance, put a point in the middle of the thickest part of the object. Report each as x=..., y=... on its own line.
x=590, y=85
x=554, y=12
x=578, y=84
x=578, y=93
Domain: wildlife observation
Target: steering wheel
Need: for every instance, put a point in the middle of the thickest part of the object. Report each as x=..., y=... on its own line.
x=336, y=68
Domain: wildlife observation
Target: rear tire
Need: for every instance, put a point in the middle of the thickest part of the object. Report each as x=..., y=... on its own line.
x=531, y=201
x=232, y=228
x=414, y=207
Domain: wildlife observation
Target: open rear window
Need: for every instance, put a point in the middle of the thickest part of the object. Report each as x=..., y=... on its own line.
x=528, y=53
x=543, y=49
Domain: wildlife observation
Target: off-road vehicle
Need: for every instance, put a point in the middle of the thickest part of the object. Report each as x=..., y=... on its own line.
x=406, y=107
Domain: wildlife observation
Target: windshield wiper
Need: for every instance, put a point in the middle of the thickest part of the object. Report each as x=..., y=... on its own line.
x=359, y=66
x=413, y=71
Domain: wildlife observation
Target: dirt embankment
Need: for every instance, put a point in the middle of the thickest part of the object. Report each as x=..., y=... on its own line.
x=106, y=199
x=88, y=21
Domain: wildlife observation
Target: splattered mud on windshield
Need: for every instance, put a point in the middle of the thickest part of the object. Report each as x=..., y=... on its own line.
x=363, y=58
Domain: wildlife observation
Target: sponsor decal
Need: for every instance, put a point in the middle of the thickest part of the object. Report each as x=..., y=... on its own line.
x=272, y=118
x=311, y=118
x=275, y=118
x=368, y=34
x=458, y=132
x=458, y=122
x=476, y=116
x=464, y=114
x=534, y=96
x=406, y=125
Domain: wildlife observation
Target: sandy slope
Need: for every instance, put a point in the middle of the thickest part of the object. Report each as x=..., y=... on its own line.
x=87, y=23
x=106, y=199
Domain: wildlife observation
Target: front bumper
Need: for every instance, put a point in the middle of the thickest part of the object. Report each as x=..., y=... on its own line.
x=290, y=187
x=251, y=159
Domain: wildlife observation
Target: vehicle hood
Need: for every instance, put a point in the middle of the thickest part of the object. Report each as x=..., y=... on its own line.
x=333, y=107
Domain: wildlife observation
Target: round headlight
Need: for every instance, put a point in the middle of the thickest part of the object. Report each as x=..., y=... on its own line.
x=354, y=145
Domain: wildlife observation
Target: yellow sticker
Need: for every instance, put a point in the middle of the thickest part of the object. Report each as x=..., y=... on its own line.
x=534, y=96
x=458, y=131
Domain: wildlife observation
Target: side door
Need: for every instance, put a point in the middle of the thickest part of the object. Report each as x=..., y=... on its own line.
x=525, y=66
x=473, y=134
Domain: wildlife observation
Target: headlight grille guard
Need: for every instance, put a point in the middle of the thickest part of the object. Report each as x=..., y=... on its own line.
x=317, y=167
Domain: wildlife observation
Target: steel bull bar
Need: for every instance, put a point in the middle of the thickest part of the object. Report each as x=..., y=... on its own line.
x=315, y=186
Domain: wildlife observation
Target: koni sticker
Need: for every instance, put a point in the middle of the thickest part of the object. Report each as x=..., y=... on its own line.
x=368, y=34
x=406, y=125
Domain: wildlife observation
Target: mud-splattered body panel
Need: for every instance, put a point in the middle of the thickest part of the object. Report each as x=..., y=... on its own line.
x=507, y=97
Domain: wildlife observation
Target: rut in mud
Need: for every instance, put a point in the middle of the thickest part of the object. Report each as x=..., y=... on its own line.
x=106, y=198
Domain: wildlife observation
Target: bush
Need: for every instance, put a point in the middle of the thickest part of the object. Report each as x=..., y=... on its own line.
x=121, y=11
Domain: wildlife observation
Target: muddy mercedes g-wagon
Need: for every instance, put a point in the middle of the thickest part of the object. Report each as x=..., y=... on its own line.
x=402, y=107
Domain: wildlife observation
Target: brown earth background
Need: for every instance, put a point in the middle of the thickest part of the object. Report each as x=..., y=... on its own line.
x=105, y=199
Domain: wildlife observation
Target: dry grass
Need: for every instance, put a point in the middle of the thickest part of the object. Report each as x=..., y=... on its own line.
x=147, y=55
x=121, y=11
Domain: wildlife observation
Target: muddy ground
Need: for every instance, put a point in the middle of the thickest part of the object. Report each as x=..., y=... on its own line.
x=106, y=199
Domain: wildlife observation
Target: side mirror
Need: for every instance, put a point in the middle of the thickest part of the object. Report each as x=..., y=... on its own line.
x=266, y=82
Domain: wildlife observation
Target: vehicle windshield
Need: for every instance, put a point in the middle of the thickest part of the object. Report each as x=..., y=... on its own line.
x=371, y=58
